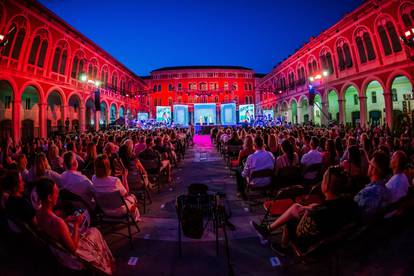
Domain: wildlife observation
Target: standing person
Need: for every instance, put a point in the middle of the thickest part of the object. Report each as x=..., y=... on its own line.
x=90, y=246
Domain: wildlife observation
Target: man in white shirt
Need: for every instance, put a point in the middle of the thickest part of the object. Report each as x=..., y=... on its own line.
x=312, y=157
x=75, y=182
x=260, y=160
x=398, y=183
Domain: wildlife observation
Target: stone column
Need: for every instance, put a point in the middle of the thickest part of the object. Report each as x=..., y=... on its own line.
x=388, y=108
x=299, y=114
x=324, y=113
x=42, y=120
x=97, y=119
x=16, y=120
x=341, y=104
x=82, y=115
x=311, y=113
x=363, y=111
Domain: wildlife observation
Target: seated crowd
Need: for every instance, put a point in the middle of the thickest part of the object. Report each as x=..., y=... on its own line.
x=37, y=175
x=359, y=174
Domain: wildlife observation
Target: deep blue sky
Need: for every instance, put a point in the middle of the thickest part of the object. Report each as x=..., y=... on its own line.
x=146, y=35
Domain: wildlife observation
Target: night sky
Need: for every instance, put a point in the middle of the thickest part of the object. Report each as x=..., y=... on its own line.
x=146, y=35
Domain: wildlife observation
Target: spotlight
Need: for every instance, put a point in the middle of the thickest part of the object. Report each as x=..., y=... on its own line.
x=97, y=83
x=325, y=73
x=83, y=77
x=311, y=78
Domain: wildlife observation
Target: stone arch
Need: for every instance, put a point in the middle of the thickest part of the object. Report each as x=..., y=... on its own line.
x=55, y=111
x=332, y=100
x=373, y=92
x=113, y=113
x=30, y=120
x=351, y=103
x=293, y=111
x=402, y=102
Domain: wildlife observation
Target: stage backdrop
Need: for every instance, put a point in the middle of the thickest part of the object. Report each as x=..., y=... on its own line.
x=205, y=114
x=245, y=112
x=268, y=112
x=181, y=114
x=142, y=116
x=163, y=113
x=228, y=114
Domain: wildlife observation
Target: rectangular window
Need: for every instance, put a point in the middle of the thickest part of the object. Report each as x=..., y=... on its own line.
x=7, y=102
x=356, y=99
x=28, y=104
x=374, y=97
x=180, y=86
x=394, y=95
x=170, y=87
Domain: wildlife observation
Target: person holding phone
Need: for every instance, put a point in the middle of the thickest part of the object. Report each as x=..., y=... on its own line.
x=90, y=246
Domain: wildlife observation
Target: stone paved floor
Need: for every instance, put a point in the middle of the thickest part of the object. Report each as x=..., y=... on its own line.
x=157, y=251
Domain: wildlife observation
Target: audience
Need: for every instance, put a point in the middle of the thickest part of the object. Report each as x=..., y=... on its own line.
x=398, y=183
x=89, y=246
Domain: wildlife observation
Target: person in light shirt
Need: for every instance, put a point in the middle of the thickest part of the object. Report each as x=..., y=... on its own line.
x=398, y=183
x=312, y=157
x=260, y=160
x=75, y=182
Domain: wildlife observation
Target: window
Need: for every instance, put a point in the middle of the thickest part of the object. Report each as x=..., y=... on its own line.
x=395, y=40
x=75, y=68
x=169, y=101
x=27, y=107
x=384, y=41
x=374, y=97
x=18, y=44
x=247, y=100
x=226, y=86
x=341, y=58
x=394, y=95
x=170, y=87
x=12, y=34
x=369, y=46
x=34, y=50
x=356, y=99
x=361, y=50
x=348, y=58
x=155, y=88
x=203, y=86
x=407, y=20
x=7, y=102
x=56, y=57
x=235, y=86
x=192, y=86
x=159, y=87
x=180, y=86
x=63, y=62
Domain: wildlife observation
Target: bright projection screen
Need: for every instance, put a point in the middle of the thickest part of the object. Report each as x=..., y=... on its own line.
x=205, y=114
x=142, y=116
x=228, y=114
x=245, y=112
x=181, y=114
x=268, y=113
x=163, y=113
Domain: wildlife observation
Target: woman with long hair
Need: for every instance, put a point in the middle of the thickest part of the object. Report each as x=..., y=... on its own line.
x=56, y=161
x=91, y=155
x=248, y=148
x=41, y=168
x=90, y=246
x=289, y=158
x=273, y=145
x=329, y=156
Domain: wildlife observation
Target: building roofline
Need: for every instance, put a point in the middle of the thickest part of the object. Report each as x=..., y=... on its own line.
x=200, y=67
